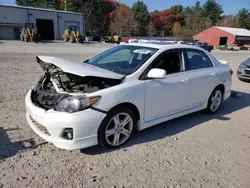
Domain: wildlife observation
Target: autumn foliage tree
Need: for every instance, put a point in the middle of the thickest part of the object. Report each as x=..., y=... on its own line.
x=165, y=20
x=228, y=21
x=123, y=23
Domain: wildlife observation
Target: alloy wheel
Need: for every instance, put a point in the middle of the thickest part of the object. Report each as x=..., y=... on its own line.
x=119, y=129
x=216, y=100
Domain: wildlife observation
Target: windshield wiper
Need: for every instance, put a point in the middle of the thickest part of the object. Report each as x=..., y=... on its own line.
x=86, y=61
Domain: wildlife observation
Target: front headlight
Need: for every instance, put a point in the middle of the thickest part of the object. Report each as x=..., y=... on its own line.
x=243, y=66
x=75, y=104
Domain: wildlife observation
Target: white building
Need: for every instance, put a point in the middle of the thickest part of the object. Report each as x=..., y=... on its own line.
x=50, y=23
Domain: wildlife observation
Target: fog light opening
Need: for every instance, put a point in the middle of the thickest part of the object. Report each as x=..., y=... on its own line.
x=68, y=134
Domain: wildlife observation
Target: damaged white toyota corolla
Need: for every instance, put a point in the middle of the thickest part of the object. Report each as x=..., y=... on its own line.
x=126, y=88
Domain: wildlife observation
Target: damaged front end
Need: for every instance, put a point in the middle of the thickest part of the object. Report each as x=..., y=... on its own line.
x=63, y=91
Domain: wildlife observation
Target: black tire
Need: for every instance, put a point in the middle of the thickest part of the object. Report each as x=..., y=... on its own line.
x=21, y=37
x=66, y=39
x=26, y=38
x=80, y=41
x=39, y=38
x=102, y=129
x=209, y=110
x=72, y=39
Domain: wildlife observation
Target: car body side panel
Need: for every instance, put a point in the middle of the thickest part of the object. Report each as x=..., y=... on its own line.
x=166, y=96
x=144, y=125
x=202, y=83
x=224, y=77
x=127, y=92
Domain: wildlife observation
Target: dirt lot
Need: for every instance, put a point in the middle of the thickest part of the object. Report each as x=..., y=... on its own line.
x=197, y=150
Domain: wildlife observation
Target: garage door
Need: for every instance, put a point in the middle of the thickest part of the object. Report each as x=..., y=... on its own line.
x=6, y=32
x=45, y=29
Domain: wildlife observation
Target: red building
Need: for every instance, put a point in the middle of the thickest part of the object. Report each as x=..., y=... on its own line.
x=224, y=35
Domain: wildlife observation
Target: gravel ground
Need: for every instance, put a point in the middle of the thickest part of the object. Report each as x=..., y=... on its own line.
x=197, y=150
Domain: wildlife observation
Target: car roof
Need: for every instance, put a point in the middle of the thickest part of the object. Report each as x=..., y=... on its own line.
x=163, y=45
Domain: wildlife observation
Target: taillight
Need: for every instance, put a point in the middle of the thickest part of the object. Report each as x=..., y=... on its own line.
x=231, y=72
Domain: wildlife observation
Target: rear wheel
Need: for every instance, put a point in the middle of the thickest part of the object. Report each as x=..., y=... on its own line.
x=215, y=101
x=117, y=128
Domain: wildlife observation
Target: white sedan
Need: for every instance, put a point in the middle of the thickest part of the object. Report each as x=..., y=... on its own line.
x=130, y=87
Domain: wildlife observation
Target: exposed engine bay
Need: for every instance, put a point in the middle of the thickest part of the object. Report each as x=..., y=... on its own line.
x=53, y=87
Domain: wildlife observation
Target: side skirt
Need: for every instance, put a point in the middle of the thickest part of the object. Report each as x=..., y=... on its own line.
x=144, y=125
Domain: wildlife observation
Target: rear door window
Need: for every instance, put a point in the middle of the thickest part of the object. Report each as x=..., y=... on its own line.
x=196, y=59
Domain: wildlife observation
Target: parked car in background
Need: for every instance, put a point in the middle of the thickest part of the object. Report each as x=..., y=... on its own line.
x=203, y=45
x=233, y=47
x=126, y=40
x=130, y=87
x=97, y=38
x=243, y=71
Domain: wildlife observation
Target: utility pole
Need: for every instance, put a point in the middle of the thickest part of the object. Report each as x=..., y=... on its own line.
x=65, y=5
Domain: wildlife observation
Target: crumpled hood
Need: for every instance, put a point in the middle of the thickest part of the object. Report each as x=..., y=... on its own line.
x=80, y=69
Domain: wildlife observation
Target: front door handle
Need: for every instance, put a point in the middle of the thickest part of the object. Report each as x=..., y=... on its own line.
x=213, y=74
x=184, y=80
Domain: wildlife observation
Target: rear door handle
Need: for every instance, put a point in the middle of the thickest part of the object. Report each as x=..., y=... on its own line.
x=213, y=74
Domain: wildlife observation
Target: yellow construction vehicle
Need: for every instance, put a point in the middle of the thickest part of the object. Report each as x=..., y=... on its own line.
x=29, y=33
x=72, y=34
x=115, y=39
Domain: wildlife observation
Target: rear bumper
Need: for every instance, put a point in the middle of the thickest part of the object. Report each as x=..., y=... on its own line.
x=85, y=125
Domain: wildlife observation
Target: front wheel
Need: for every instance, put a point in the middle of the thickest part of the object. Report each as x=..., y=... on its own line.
x=117, y=127
x=72, y=39
x=26, y=38
x=215, y=101
x=21, y=37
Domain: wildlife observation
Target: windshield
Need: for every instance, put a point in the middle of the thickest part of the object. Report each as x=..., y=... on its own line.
x=123, y=59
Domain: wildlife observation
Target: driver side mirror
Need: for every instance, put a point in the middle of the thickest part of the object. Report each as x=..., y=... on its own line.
x=157, y=73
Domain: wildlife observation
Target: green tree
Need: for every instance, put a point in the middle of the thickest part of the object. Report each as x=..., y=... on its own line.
x=52, y=4
x=23, y=2
x=195, y=21
x=197, y=6
x=178, y=9
x=243, y=18
x=141, y=16
x=213, y=11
